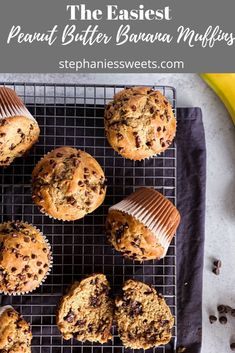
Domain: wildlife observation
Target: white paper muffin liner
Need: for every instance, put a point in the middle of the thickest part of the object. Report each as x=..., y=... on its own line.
x=153, y=210
x=11, y=105
x=50, y=262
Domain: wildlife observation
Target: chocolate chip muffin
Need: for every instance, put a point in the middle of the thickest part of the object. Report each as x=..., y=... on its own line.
x=68, y=184
x=15, y=332
x=86, y=311
x=143, y=318
x=142, y=225
x=25, y=258
x=139, y=123
x=18, y=129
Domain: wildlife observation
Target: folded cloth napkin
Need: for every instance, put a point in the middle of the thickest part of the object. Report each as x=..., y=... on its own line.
x=191, y=150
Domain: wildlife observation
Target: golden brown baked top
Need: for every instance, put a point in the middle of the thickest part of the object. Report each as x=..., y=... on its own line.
x=15, y=332
x=25, y=257
x=68, y=183
x=18, y=129
x=143, y=318
x=131, y=237
x=86, y=311
x=139, y=123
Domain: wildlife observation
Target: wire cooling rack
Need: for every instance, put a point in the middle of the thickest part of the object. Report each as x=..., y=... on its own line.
x=73, y=115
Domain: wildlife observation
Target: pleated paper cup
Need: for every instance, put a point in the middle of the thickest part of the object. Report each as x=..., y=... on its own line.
x=12, y=106
x=50, y=263
x=154, y=211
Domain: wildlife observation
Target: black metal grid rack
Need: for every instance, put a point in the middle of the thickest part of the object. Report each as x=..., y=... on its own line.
x=73, y=115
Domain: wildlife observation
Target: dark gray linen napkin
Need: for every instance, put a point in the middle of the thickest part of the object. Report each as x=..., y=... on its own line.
x=191, y=150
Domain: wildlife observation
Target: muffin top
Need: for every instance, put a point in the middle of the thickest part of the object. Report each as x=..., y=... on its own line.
x=68, y=183
x=25, y=257
x=18, y=129
x=132, y=238
x=139, y=123
x=143, y=318
x=15, y=332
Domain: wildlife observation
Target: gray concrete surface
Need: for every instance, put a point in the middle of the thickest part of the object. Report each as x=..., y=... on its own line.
x=220, y=210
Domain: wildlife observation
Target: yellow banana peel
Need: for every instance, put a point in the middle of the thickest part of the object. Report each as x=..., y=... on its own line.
x=224, y=87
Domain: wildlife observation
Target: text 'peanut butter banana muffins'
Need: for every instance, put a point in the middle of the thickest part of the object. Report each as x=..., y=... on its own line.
x=18, y=129
x=15, y=332
x=25, y=258
x=86, y=311
x=68, y=184
x=143, y=318
x=142, y=225
x=139, y=123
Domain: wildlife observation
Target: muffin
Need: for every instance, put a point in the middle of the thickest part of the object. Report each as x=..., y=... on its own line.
x=25, y=258
x=68, y=184
x=86, y=311
x=143, y=318
x=142, y=225
x=15, y=332
x=18, y=129
x=139, y=123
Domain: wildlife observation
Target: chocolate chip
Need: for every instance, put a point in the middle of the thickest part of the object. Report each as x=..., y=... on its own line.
x=136, y=309
x=35, y=277
x=13, y=269
x=119, y=136
x=45, y=266
x=94, y=301
x=151, y=110
x=26, y=258
x=232, y=346
x=70, y=316
x=133, y=107
x=159, y=128
x=44, y=250
x=212, y=319
x=137, y=141
x=223, y=320
x=2, y=134
x=59, y=155
x=12, y=147
x=9, y=339
x=39, y=263
x=90, y=328
x=33, y=256
x=222, y=309
x=31, y=127
x=80, y=183
x=27, y=239
x=71, y=200
x=33, y=240
x=217, y=263
x=40, y=272
x=27, y=268
x=216, y=271
x=233, y=312
x=80, y=323
x=76, y=162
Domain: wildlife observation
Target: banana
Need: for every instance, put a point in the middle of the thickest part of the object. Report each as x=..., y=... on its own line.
x=224, y=87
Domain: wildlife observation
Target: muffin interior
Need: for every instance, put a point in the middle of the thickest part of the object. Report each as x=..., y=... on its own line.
x=86, y=312
x=144, y=320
